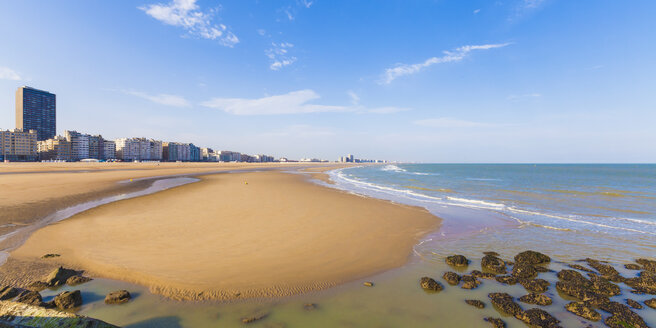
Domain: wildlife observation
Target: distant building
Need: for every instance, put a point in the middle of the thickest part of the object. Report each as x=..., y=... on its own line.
x=36, y=110
x=109, y=149
x=55, y=149
x=79, y=144
x=229, y=156
x=206, y=154
x=138, y=149
x=18, y=145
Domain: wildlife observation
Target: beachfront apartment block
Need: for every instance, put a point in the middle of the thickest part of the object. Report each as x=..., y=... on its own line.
x=181, y=152
x=76, y=146
x=18, y=145
x=138, y=149
x=55, y=149
x=36, y=110
x=109, y=149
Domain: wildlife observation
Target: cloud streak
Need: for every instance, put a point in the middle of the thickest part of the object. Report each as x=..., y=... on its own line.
x=295, y=102
x=447, y=122
x=162, y=99
x=188, y=15
x=7, y=73
x=456, y=55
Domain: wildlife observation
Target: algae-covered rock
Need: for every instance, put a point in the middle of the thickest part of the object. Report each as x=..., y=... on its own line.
x=430, y=284
x=59, y=276
x=538, y=318
x=648, y=265
x=535, y=285
x=622, y=316
x=538, y=299
x=483, y=275
x=508, y=280
x=469, y=282
x=457, y=260
x=580, y=267
x=118, y=297
x=68, y=300
x=505, y=303
x=583, y=310
x=633, y=303
x=524, y=271
x=496, y=322
x=451, y=277
x=493, y=264
x=606, y=270
x=651, y=303
x=632, y=266
x=76, y=280
x=475, y=303
x=30, y=297
x=532, y=258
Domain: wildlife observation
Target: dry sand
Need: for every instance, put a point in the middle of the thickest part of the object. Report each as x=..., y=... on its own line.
x=238, y=235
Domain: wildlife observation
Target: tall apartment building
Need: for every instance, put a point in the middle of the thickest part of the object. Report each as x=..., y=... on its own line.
x=79, y=144
x=138, y=149
x=36, y=110
x=109, y=149
x=57, y=148
x=229, y=156
x=18, y=145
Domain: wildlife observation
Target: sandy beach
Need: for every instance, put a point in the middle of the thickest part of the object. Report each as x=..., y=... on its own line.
x=237, y=235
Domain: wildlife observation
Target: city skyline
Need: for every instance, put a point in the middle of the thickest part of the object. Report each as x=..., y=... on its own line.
x=522, y=81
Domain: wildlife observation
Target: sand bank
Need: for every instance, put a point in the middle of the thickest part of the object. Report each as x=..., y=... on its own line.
x=30, y=191
x=240, y=235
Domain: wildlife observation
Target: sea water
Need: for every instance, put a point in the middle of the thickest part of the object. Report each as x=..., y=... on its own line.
x=569, y=212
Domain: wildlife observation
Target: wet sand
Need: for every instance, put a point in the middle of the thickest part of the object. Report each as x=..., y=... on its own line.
x=238, y=235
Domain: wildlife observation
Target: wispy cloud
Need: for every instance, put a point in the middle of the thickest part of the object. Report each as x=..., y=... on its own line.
x=476, y=11
x=306, y=3
x=447, y=122
x=524, y=96
x=279, y=55
x=188, y=15
x=525, y=7
x=7, y=73
x=357, y=107
x=162, y=99
x=456, y=55
x=296, y=102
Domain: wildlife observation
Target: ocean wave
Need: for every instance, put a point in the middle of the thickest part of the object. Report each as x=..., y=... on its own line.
x=478, y=202
x=576, y=220
x=483, y=179
x=392, y=168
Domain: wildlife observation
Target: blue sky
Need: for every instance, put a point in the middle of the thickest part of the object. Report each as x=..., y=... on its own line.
x=430, y=81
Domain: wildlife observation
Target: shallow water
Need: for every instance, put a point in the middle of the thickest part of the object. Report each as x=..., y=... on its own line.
x=479, y=215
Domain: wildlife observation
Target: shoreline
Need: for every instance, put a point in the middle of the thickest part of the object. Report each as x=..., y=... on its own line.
x=294, y=282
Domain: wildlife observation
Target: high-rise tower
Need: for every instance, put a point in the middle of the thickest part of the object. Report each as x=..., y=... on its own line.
x=36, y=110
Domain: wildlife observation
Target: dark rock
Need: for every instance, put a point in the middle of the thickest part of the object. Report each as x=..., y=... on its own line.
x=38, y=286
x=509, y=280
x=580, y=292
x=469, y=282
x=30, y=297
x=622, y=316
x=535, y=285
x=457, y=260
x=68, y=300
x=254, y=317
x=649, y=265
x=491, y=253
x=632, y=266
x=579, y=267
x=310, y=306
x=451, y=277
x=532, y=258
x=538, y=318
x=633, y=304
x=651, y=303
x=47, y=256
x=603, y=286
x=505, y=303
x=118, y=297
x=644, y=283
x=496, y=322
x=483, y=275
x=493, y=264
x=573, y=276
x=525, y=271
x=430, y=284
x=7, y=293
x=607, y=271
x=59, y=276
x=76, y=280
x=539, y=299
x=475, y=303
x=584, y=310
